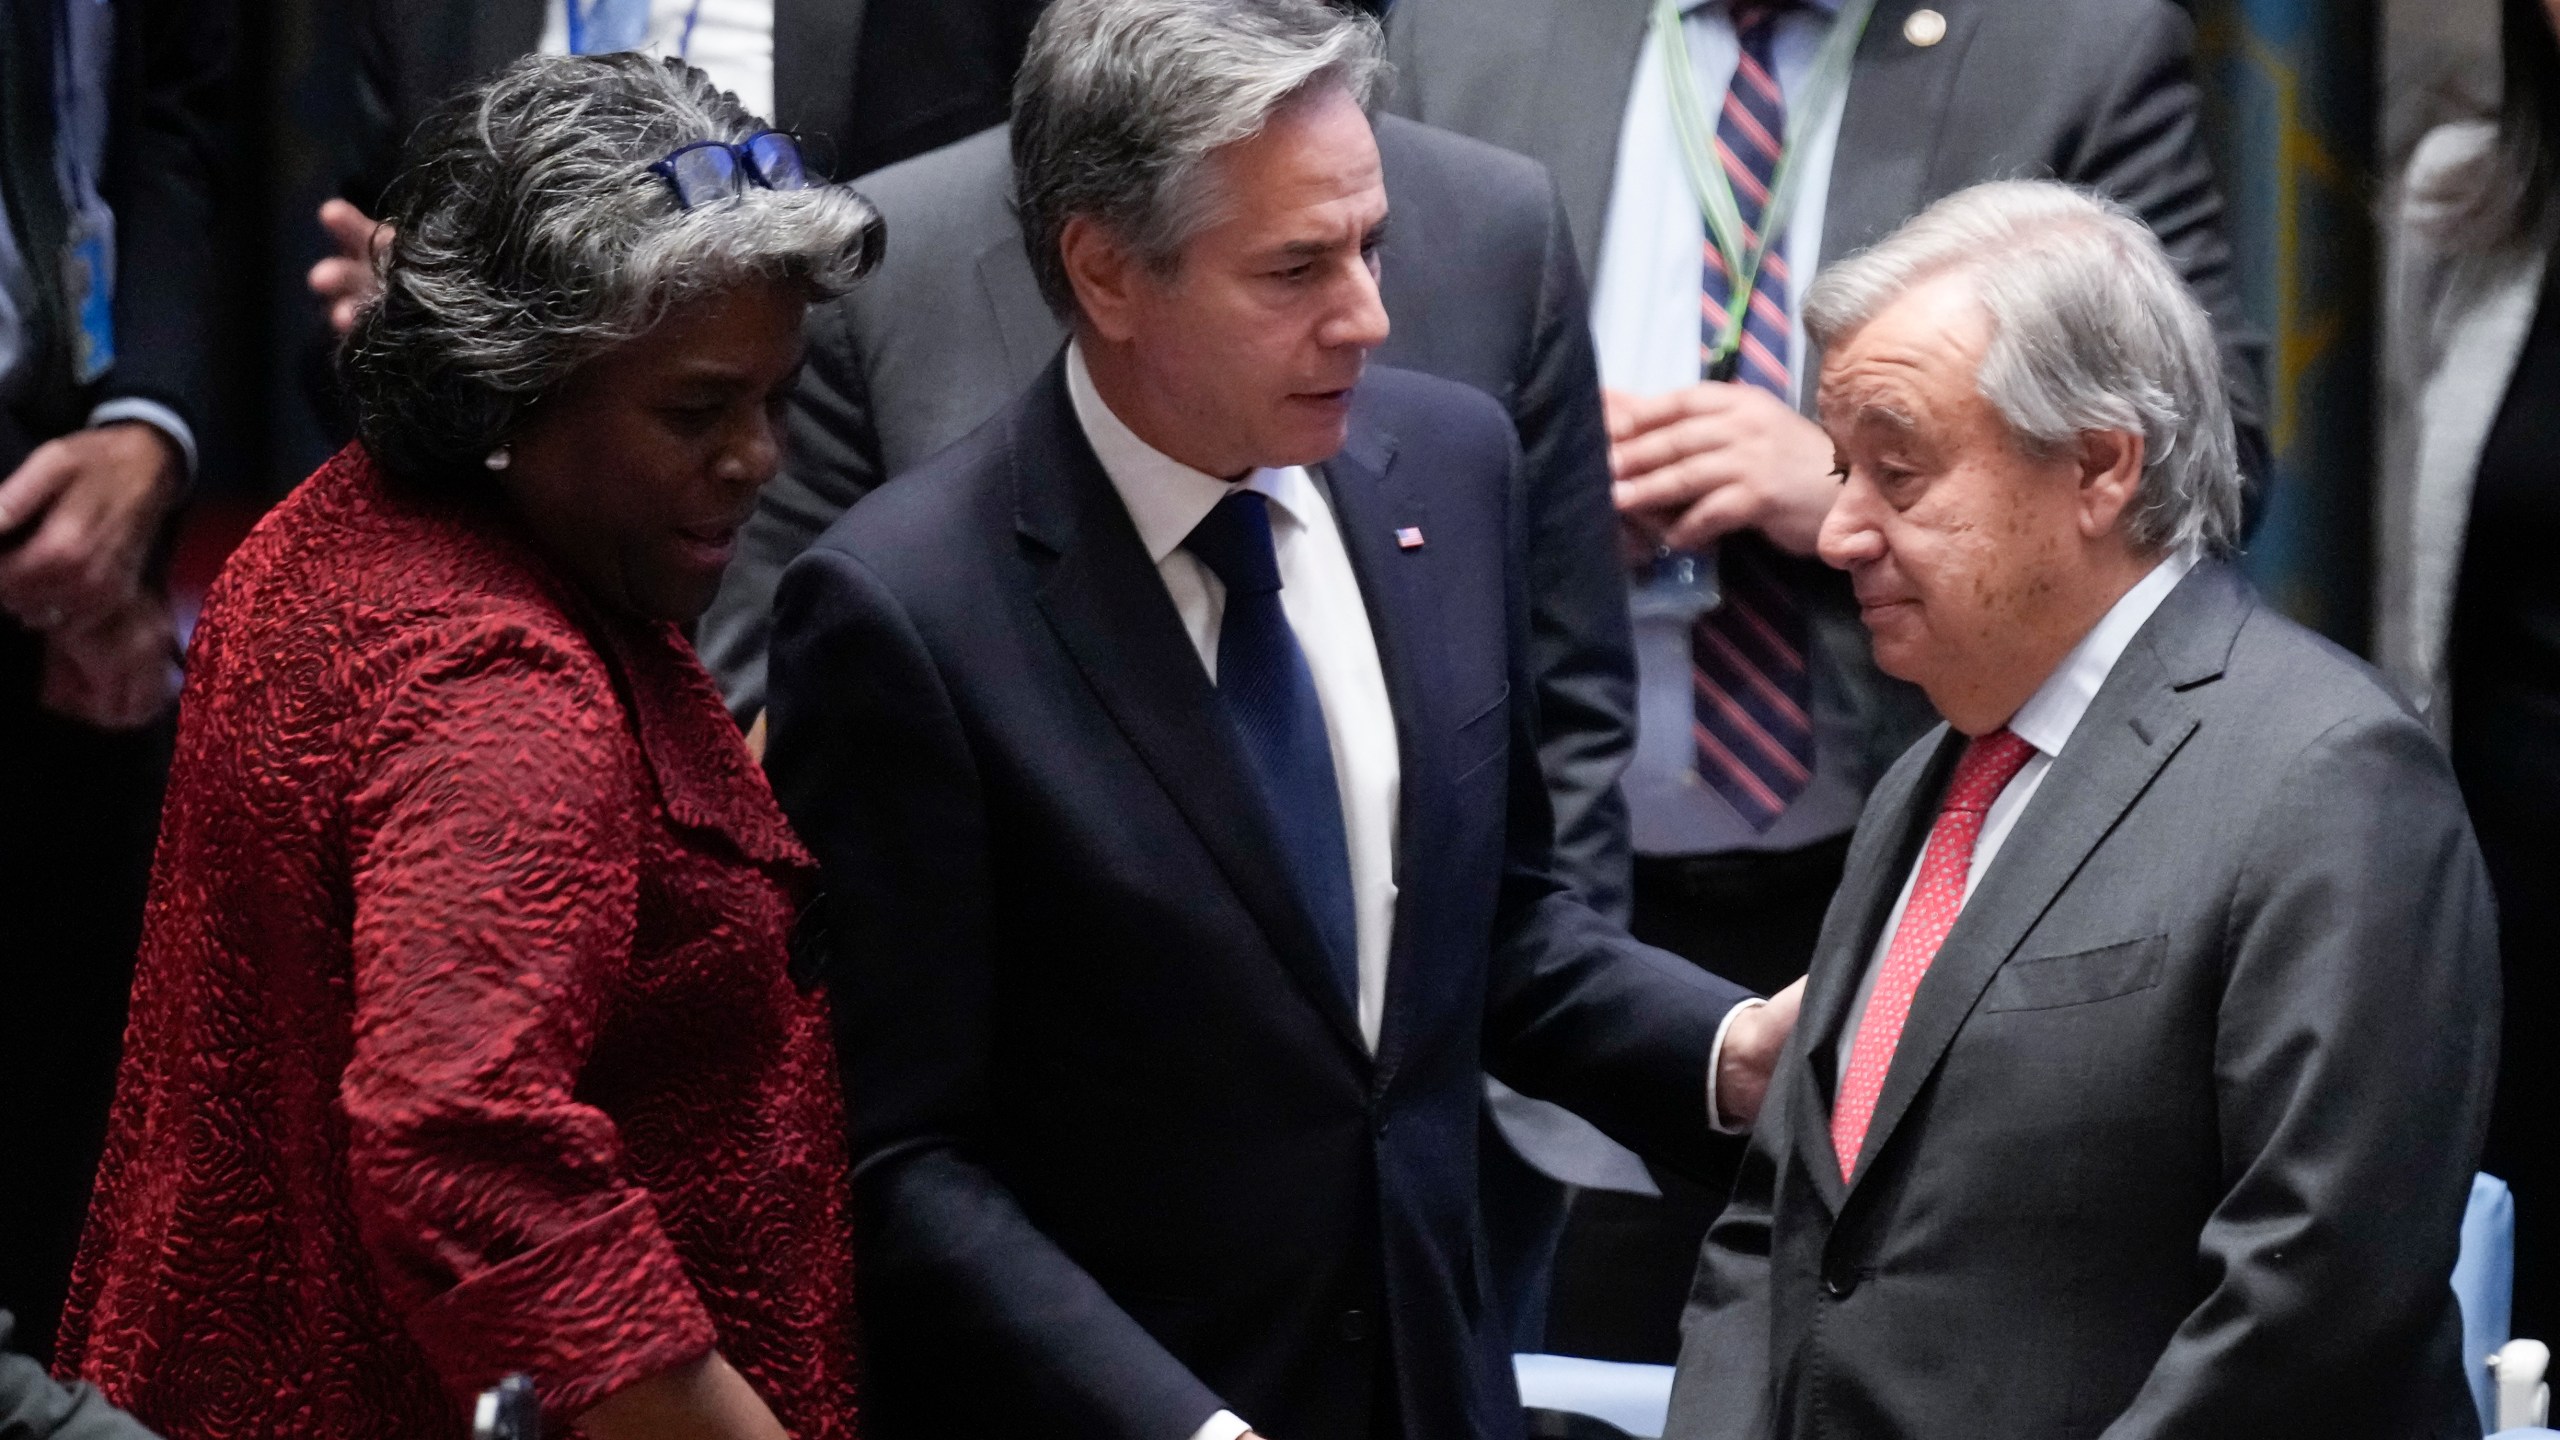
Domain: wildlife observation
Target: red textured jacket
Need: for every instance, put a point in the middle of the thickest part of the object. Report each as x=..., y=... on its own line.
x=463, y=1040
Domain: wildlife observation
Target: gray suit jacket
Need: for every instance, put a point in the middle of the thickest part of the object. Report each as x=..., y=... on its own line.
x=1481, y=287
x=2177, y=1138
x=2095, y=92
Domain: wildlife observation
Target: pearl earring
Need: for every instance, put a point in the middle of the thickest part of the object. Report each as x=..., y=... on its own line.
x=500, y=458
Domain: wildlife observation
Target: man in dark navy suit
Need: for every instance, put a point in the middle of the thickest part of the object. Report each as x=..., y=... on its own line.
x=1168, y=748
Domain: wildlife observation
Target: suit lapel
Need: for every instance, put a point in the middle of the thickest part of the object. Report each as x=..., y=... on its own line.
x=1898, y=97
x=1395, y=589
x=1889, y=123
x=1110, y=611
x=1587, y=66
x=2139, y=720
x=1903, y=808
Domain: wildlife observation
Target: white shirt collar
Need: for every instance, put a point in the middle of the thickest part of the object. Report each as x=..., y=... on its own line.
x=1166, y=498
x=2053, y=712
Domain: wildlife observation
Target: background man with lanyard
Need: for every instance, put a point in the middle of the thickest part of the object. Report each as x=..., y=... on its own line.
x=107, y=166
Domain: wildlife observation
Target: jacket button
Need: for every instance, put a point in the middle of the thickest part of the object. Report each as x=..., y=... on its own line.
x=1839, y=1279
x=1354, y=1326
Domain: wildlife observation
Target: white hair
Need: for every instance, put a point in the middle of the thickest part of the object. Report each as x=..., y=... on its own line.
x=1120, y=103
x=2091, y=329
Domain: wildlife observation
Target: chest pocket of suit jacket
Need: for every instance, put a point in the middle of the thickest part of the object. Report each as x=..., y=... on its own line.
x=1484, y=735
x=2081, y=977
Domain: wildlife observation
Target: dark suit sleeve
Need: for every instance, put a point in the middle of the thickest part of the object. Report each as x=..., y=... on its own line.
x=173, y=63
x=2145, y=148
x=1579, y=647
x=2354, y=1054
x=1577, y=1011
x=831, y=458
x=869, y=760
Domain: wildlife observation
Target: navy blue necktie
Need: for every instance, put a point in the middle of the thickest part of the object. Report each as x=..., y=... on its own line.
x=1271, y=697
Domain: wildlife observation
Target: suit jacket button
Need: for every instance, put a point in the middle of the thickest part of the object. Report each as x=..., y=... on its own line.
x=1354, y=1327
x=1839, y=1279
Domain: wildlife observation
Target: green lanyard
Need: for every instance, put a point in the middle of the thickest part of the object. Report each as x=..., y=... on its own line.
x=1714, y=190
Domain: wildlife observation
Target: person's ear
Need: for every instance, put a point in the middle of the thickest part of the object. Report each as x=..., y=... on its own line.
x=1105, y=277
x=2111, y=463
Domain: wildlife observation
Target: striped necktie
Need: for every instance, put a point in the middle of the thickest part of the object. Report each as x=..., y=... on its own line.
x=1753, y=691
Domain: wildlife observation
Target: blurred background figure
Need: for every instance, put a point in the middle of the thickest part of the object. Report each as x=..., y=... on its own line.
x=108, y=149
x=465, y=1042
x=1762, y=719
x=2467, y=599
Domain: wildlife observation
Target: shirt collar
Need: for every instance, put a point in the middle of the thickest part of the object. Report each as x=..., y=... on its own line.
x=1690, y=9
x=1165, y=498
x=2053, y=712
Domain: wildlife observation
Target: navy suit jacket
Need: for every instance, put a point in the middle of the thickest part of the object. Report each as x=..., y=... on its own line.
x=1122, y=1158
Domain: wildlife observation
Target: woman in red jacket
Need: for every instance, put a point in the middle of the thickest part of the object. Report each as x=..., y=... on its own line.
x=465, y=1037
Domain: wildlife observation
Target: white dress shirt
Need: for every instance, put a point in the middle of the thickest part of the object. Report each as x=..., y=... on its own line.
x=732, y=41
x=2046, y=722
x=1321, y=596
x=1653, y=244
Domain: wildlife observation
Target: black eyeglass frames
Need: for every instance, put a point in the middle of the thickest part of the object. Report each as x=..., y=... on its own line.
x=709, y=170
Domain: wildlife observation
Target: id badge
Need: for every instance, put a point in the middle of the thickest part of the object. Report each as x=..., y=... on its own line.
x=89, y=295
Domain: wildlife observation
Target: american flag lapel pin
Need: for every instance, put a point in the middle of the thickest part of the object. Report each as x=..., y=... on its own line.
x=1409, y=537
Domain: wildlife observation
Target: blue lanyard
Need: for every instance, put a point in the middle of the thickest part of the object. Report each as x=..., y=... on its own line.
x=70, y=84
x=580, y=15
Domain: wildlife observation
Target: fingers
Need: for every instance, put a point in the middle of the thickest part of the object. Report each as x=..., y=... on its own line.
x=336, y=278
x=1668, y=445
x=69, y=571
x=351, y=228
x=346, y=279
x=36, y=484
x=1720, y=513
x=96, y=498
x=1664, y=490
x=1635, y=414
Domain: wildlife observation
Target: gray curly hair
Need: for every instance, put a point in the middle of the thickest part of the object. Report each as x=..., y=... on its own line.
x=531, y=236
x=1120, y=103
x=2091, y=329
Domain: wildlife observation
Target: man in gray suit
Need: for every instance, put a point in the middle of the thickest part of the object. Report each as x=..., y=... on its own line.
x=1481, y=286
x=2147, y=1049
x=1763, y=722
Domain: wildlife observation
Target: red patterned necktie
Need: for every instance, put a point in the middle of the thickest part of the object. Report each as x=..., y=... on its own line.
x=1990, y=762
x=1754, y=727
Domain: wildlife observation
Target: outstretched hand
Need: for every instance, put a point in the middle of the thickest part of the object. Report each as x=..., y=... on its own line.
x=1750, y=1055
